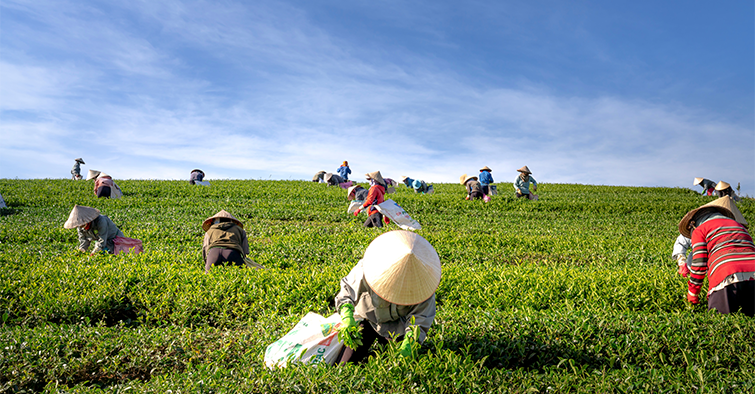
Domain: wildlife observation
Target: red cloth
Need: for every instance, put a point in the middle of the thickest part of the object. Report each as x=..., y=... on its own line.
x=720, y=247
x=103, y=182
x=125, y=245
x=374, y=197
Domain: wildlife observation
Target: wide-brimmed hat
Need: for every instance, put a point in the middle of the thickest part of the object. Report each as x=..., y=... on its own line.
x=486, y=168
x=376, y=176
x=222, y=214
x=725, y=205
x=80, y=160
x=197, y=170
x=722, y=186
x=404, y=178
x=350, y=191
x=401, y=267
x=464, y=178
x=328, y=177
x=103, y=175
x=81, y=215
x=92, y=174
x=697, y=181
x=525, y=170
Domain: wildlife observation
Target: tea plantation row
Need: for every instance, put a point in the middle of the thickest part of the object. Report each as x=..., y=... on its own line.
x=572, y=293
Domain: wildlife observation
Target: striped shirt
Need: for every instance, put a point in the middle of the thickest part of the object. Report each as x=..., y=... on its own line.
x=721, y=247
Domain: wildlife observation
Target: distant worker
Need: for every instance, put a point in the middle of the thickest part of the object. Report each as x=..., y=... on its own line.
x=319, y=177
x=76, y=170
x=522, y=183
x=344, y=171
x=418, y=185
x=392, y=291
x=486, y=179
x=92, y=226
x=196, y=175
x=724, y=189
x=375, y=196
x=722, y=250
x=708, y=186
x=474, y=188
x=105, y=187
x=225, y=241
x=332, y=179
x=357, y=193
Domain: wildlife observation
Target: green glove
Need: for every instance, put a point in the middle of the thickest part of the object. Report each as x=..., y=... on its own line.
x=347, y=315
x=349, y=332
x=405, y=349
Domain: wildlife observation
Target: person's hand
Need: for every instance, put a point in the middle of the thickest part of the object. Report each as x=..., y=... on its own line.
x=682, y=262
x=693, y=299
x=349, y=333
x=386, y=220
x=405, y=350
x=356, y=213
x=518, y=191
x=467, y=197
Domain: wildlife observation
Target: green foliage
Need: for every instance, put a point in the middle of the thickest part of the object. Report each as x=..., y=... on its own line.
x=572, y=293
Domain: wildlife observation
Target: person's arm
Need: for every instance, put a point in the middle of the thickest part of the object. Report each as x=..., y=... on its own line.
x=350, y=287
x=244, y=242
x=83, y=240
x=424, y=315
x=534, y=183
x=517, y=184
x=205, y=246
x=371, y=197
x=699, y=267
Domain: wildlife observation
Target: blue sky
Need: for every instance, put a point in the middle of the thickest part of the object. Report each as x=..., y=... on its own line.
x=640, y=93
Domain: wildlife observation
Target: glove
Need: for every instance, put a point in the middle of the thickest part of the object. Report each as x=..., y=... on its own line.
x=349, y=332
x=682, y=262
x=693, y=298
x=405, y=350
x=386, y=220
x=356, y=213
x=347, y=315
x=518, y=191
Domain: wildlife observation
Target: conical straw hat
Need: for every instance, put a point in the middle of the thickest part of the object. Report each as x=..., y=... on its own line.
x=486, y=168
x=222, y=214
x=401, y=267
x=464, y=178
x=725, y=205
x=697, y=181
x=92, y=174
x=328, y=177
x=377, y=177
x=525, y=170
x=103, y=175
x=80, y=160
x=722, y=186
x=403, y=178
x=81, y=215
x=350, y=192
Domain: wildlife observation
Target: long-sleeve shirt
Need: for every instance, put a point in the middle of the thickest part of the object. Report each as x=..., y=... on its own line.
x=472, y=186
x=523, y=186
x=103, y=231
x=723, y=249
x=386, y=318
x=226, y=235
x=681, y=246
x=486, y=178
x=344, y=172
x=103, y=182
x=375, y=196
x=76, y=170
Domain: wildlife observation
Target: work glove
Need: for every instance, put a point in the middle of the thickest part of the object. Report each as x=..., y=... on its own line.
x=349, y=332
x=386, y=220
x=682, y=262
x=693, y=298
x=405, y=350
x=518, y=191
x=356, y=213
x=347, y=315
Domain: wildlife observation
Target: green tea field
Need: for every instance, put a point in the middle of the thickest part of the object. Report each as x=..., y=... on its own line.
x=576, y=292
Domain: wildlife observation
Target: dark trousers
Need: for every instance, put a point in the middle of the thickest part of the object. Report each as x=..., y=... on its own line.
x=374, y=220
x=368, y=337
x=518, y=195
x=223, y=256
x=736, y=297
x=486, y=190
x=476, y=195
x=103, y=191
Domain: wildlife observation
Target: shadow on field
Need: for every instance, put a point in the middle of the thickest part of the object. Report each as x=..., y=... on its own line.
x=9, y=211
x=525, y=352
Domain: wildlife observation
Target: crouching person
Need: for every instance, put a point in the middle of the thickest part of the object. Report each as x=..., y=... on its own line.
x=225, y=241
x=93, y=227
x=392, y=291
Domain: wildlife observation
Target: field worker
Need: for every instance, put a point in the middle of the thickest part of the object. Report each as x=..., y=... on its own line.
x=332, y=179
x=196, y=175
x=104, y=185
x=724, y=189
x=356, y=193
x=416, y=184
x=76, y=170
x=723, y=249
x=679, y=253
x=319, y=177
x=392, y=284
x=375, y=196
x=91, y=226
x=344, y=171
x=486, y=179
x=708, y=186
x=522, y=183
x=474, y=188
x=224, y=242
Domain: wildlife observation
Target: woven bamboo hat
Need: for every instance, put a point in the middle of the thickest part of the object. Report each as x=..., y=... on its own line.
x=376, y=176
x=486, y=168
x=81, y=215
x=725, y=205
x=222, y=214
x=722, y=186
x=92, y=174
x=401, y=267
x=328, y=177
x=464, y=178
x=697, y=181
x=403, y=178
x=525, y=170
x=103, y=175
x=80, y=160
x=350, y=192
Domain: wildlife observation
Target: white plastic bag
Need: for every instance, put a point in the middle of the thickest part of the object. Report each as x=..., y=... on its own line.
x=115, y=191
x=202, y=183
x=313, y=340
x=354, y=206
x=493, y=190
x=394, y=212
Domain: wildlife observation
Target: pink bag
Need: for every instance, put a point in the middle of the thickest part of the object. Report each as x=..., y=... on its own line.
x=486, y=198
x=345, y=185
x=127, y=245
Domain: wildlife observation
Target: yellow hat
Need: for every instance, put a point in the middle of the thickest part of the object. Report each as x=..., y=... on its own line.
x=81, y=215
x=401, y=267
x=725, y=205
x=222, y=214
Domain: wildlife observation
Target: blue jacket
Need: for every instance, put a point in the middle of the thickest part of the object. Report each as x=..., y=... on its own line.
x=486, y=178
x=344, y=172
